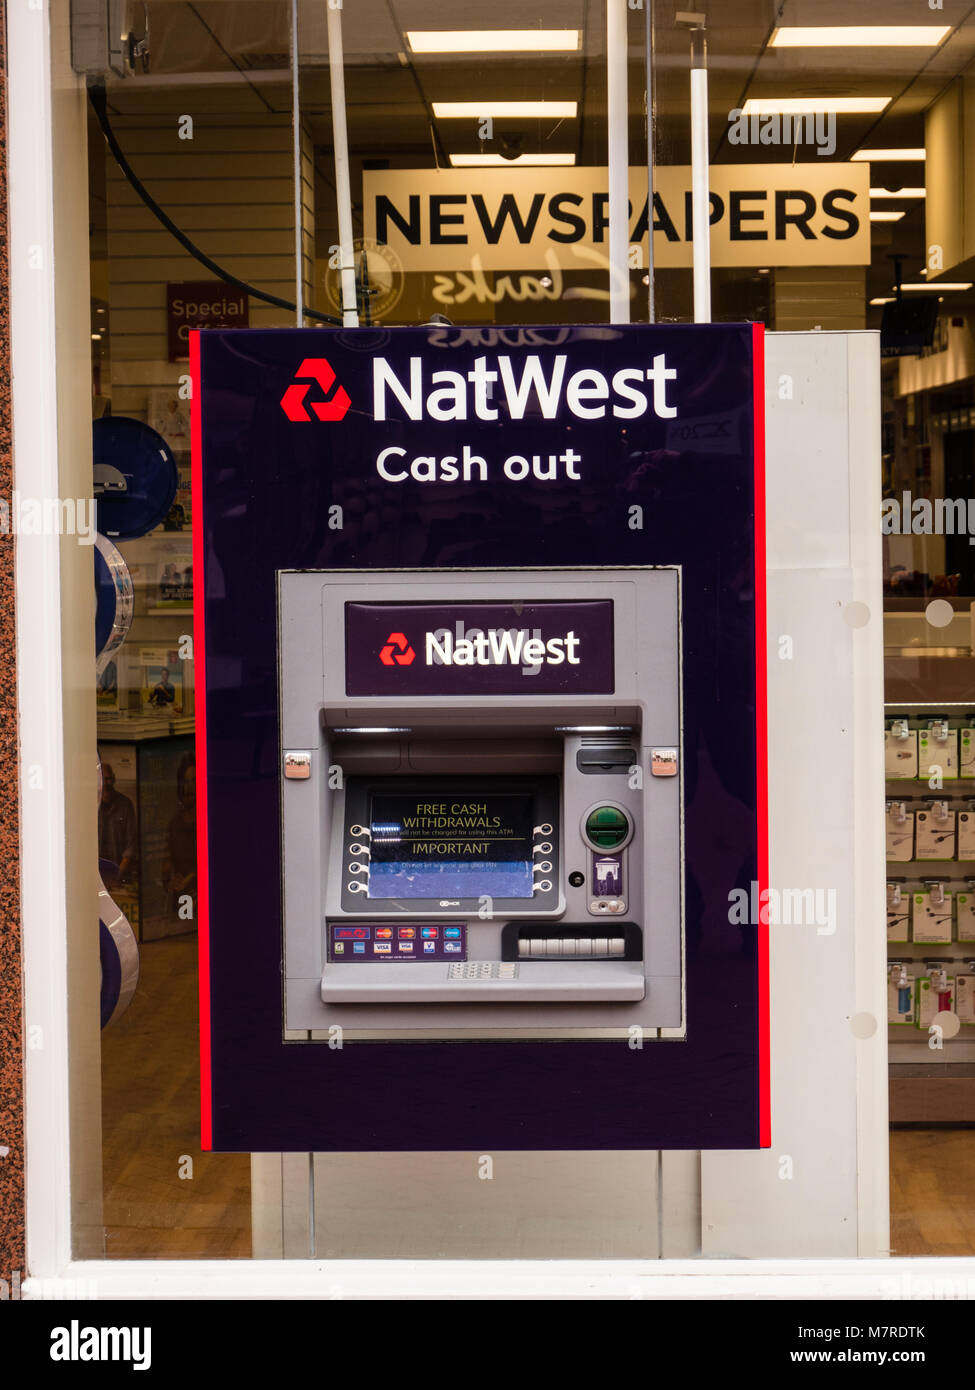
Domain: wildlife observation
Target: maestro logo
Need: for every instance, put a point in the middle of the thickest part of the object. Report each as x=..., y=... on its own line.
x=397, y=651
x=319, y=371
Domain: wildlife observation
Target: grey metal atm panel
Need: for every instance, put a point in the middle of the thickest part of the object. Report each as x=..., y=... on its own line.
x=521, y=973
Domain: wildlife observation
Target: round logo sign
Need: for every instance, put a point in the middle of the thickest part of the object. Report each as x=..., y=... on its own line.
x=378, y=280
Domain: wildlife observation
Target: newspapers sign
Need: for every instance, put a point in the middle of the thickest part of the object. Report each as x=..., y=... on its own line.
x=552, y=220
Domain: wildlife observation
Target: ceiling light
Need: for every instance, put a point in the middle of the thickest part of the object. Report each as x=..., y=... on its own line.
x=498, y=161
x=474, y=110
x=937, y=287
x=890, y=300
x=812, y=106
x=887, y=216
x=860, y=35
x=875, y=156
x=898, y=193
x=493, y=40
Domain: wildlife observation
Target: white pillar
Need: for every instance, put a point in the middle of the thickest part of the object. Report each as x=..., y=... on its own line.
x=619, y=162
x=340, y=139
x=700, y=196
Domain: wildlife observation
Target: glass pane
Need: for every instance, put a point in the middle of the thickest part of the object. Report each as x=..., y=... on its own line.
x=204, y=125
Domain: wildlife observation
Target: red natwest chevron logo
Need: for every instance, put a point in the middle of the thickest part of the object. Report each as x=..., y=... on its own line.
x=293, y=400
x=397, y=651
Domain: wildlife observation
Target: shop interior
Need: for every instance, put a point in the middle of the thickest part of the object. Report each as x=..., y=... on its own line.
x=225, y=121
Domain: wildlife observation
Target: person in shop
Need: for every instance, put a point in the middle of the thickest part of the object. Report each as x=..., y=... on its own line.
x=117, y=840
x=163, y=692
x=179, y=870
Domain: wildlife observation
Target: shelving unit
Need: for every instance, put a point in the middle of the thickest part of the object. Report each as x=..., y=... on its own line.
x=929, y=1083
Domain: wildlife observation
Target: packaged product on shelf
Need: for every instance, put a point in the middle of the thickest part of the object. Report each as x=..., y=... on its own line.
x=966, y=832
x=965, y=910
x=900, y=993
x=934, y=831
x=965, y=994
x=900, y=832
x=934, y=994
x=900, y=750
x=937, y=750
x=898, y=911
x=932, y=913
x=966, y=749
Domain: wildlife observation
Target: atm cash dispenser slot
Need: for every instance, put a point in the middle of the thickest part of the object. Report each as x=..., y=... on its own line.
x=475, y=836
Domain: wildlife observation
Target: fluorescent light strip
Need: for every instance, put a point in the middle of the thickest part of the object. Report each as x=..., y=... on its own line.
x=493, y=40
x=812, y=106
x=887, y=216
x=883, y=301
x=898, y=193
x=876, y=156
x=860, y=35
x=498, y=161
x=936, y=288
x=473, y=110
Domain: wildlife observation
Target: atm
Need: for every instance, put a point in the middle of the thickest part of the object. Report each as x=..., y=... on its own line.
x=481, y=803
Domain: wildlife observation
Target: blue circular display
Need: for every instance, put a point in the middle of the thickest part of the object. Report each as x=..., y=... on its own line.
x=111, y=973
x=105, y=602
x=135, y=477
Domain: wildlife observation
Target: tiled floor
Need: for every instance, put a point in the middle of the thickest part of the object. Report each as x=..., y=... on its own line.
x=151, y=1126
x=150, y=1112
x=932, y=1192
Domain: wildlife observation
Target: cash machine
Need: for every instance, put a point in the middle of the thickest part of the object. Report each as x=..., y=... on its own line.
x=481, y=802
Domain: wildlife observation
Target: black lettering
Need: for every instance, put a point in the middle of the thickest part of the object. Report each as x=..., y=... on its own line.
x=558, y=216
x=715, y=212
x=507, y=208
x=438, y=219
x=640, y=230
x=387, y=212
x=576, y=223
x=784, y=218
x=600, y=215
x=662, y=221
x=738, y=214
x=831, y=210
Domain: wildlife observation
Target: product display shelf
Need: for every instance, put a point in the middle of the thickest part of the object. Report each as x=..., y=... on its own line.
x=931, y=1083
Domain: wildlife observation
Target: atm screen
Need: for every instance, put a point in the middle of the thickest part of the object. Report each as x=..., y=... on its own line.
x=452, y=845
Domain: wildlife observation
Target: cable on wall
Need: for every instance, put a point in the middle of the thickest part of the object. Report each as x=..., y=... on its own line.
x=98, y=98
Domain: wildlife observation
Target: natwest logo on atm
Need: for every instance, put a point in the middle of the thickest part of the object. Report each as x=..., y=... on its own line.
x=487, y=648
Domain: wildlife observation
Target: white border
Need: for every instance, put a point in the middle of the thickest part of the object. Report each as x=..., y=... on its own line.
x=512, y=1280
x=38, y=618
x=44, y=905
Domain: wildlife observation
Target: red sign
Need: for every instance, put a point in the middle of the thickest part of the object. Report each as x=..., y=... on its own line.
x=201, y=304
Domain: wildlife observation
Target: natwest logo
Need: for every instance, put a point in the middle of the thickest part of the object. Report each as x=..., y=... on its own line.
x=315, y=369
x=527, y=647
x=500, y=647
x=530, y=387
x=397, y=651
